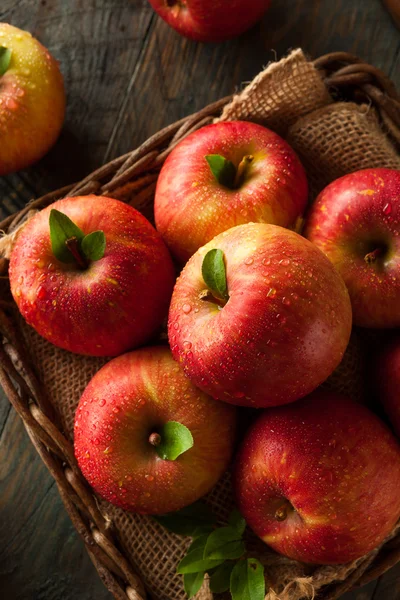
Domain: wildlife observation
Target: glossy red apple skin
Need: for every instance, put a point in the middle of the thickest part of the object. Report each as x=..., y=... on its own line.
x=388, y=382
x=207, y=21
x=339, y=467
x=191, y=206
x=284, y=329
x=32, y=101
x=117, y=303
x=124, y=403
x=352, y=217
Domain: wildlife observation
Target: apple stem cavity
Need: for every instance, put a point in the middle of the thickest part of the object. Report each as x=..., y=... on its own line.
x=208, y=296
x=283, y=511
x=225, y=171
x=172, y=440
x=73, y=246
x=242, y=170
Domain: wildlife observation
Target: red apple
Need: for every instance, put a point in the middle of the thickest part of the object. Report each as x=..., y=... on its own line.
x=121, y=434
x=103, y=305
x=32, y=99
x=388, y=382
x=355, y=221
x=318, y=480
x=280, y=329
x=262, y=180
x=207, y=21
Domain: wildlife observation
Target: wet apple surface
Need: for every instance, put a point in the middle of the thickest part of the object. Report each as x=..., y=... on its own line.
x=119, y=424
x=110, y=305
x=281, y=332
x=355, y=221
x=262, y=180
x=32, y=100
x=317, y=480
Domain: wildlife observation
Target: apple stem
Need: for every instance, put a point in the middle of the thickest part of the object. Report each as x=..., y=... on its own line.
x=283, y=510
x=372, y=256
x=155, y=439
x=209, y=296
x=241, y=170
x=73, y=246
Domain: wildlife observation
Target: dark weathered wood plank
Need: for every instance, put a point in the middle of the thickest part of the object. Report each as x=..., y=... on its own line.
x=127, y=75
x=41, y=556
x=98, y=44
x=177, y=76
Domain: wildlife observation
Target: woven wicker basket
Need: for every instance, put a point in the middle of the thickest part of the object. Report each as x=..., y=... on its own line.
x=132, y=178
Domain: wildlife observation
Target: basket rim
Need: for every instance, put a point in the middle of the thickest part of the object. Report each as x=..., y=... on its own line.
x=341, y=72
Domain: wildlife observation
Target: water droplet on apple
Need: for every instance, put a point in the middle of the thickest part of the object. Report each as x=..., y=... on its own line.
x=249, y=261
x=149, y=477
x=286, y=301
x=271, y=292
x=187, y=345
x=176, y=325
x=186, y=308
x=387, y=209
x=102, y=402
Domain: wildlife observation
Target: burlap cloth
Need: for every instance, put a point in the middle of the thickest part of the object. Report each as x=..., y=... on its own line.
x=331, y=139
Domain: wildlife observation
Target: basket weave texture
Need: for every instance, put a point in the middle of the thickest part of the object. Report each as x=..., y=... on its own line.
x=304, y=102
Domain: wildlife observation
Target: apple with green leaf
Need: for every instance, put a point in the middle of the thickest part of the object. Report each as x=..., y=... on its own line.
x=207, y=21
x=223, y=175
x=146, y=438
x=91, y=275
x=32, y=99
x=317, y=480
x=259, y=316
x=355, y=221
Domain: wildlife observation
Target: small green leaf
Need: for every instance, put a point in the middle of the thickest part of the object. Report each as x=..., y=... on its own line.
x=189, y=520
x=247, y=580
x=224, y=543
x=199, y=542
x=223, y=169
x=61, y=230
x=94, y=245
x=5, y=58
x=192, y=582
x=175, y=440
x=194, y=562
x=214, y=275
x=220, y=579
x=236, y=520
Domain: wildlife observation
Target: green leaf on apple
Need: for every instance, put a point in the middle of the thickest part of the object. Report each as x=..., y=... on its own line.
x=194, y=520
x=224, y=543
x=223, y=169
x=175, y=440
x=220, y=578
x=93, y=245
x=63, y=229
x=214, y=274
x=192, y=582
x=236, y=520
x=247, y=580
x=5, y=59
x=194, y=562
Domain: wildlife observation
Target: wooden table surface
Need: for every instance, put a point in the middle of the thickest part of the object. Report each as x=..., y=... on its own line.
x=127, y=75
